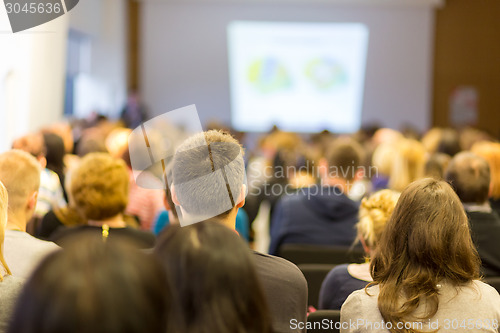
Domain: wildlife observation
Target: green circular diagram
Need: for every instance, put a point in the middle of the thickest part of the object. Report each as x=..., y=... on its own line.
x=326, y=73
x=268, y=75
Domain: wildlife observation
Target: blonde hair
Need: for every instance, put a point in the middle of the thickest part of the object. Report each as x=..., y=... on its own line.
x=490, y=151
x=408, y=166
x=383, y=158
x=99, y=186
x=431, y=139
x=3, y=222
x=20, y=174
x=374, y=213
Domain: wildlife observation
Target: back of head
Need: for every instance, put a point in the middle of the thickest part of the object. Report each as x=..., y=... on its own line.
x=208, y=173
x=469, y=175
x=383, y=158
x=431, y=139
x=55, y=152
x=95, y=287
x=490, y=151
x=436, y=165
x=426, y=241
x=449, y=143
x=344, y=157
x=215, y=287
x=374, y=213
x=20, y=173
x=99, y=186
x=408, y=164
x=31, y=143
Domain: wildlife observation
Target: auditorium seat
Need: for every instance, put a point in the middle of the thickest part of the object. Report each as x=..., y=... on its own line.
x=315, y=274
x=317, y=323
x=319, y=254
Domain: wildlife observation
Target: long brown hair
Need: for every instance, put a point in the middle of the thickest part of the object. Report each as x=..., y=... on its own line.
x=426, y=240
x=215, y=284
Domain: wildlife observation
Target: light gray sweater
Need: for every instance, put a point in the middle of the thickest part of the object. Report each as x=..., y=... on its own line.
x=472, y=308
x=24, y=252
x=10, y=288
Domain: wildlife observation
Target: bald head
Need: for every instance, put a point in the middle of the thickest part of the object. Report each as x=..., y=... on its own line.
x=20, y=173
x=469, y=175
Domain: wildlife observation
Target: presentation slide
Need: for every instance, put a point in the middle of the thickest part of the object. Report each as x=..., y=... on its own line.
x=302, y=77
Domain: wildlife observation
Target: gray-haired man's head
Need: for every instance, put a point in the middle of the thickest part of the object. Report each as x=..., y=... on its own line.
x=208, y=174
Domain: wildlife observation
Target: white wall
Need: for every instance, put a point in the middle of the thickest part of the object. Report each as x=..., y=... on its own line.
x=184, y=53
x=32, y=66
x=105, y=23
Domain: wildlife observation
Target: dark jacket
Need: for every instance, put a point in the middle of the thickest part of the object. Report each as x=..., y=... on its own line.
x=315, y=215
x=485, y=230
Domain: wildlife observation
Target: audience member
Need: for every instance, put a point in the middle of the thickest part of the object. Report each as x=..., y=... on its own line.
x=134, y=113
x=143, y=203
x=425, y=269
x=50, y=193
x=469, y=175
x=449, y=142
x=436, y=165
x=408, y=164
x=20, y=173
x=10, y=286
x=99, y=188
x=284, y=285
x=374, y=213
x=54, y=155
x=169, y=216
x=214, y=284
x=321, y=215
x=490, y=151
x=94, y=287
x=382, y=161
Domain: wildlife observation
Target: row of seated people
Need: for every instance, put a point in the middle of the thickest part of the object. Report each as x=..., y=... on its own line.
x=98, y=190
x=326, y=214
x=283, y=284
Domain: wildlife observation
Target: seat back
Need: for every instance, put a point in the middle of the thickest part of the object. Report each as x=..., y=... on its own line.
x=317, y=323
x=315, y=274
x=316, y=254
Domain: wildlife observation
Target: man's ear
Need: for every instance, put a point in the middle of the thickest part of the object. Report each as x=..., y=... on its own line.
x=241, y=198
x=32, y=200
x=174, y=196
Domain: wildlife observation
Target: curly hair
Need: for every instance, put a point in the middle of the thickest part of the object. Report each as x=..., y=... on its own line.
x=99, y=186
x=374, y=213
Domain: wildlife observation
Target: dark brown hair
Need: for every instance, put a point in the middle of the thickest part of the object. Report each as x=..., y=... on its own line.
x=94, y=287
x=344, y=156
x=215, y=287
x=426, y=240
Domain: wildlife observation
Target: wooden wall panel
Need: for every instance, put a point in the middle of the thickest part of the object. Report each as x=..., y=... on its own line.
x=133, y=44
x=467, y=52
